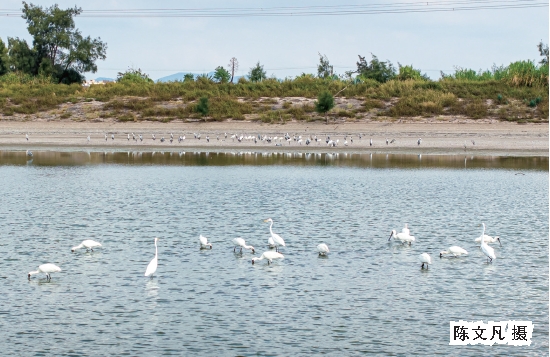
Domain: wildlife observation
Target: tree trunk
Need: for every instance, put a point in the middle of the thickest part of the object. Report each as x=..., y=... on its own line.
x=326, y=117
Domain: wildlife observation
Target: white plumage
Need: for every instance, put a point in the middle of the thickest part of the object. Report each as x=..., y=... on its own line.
x=488, y=251
x=270, y=256
x=425, y=259
x=88, y=244
x=152, y=267
x=454, y=250
x=277, y=240
x=239, y=242
x=204, y=242
x=322, y=249
x=47, y=269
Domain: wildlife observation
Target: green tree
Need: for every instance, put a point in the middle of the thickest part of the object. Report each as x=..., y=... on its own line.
x=324, y=103
x=22, y=58
x=408, y=72
x=57, y=40
x=188, y=77
x=4, y=59
x=543, y=50
x=257, y=73
x=202, y=107
x=324, y=68
x=378, y=70
x=133, y=76
x=221, y=75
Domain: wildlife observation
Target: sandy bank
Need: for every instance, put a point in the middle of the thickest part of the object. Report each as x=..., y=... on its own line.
x=481, y=138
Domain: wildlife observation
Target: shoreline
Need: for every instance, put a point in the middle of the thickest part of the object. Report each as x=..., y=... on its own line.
x=440, y=138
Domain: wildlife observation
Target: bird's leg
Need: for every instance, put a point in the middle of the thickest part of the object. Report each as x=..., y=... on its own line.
x=234, y=249
x=241, y=250
x=422, y=266
x=92, y=249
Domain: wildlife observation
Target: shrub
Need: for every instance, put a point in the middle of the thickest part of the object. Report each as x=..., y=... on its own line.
x=324, y=103
x=202, y=107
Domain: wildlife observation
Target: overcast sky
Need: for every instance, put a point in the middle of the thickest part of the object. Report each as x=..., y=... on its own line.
x=288, y=46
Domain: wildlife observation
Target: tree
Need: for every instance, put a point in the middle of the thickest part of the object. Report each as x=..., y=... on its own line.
x=57, y=40
x=257, y=73
x=378, y=70
x=133, y=76
x=408, y=72
x=233, y=67
x=202, y=107
x=22, y=58
x=543, y=50
x=221, y=75
x=188, y=77
x=324, y=103
x=4, y=59
x=324, y=69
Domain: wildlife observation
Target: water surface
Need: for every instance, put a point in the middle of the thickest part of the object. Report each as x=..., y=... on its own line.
x=367, y=296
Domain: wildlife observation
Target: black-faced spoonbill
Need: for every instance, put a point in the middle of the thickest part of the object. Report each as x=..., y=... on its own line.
x=239, y=242
x=204, y=242
x=88, y=244
x=454, y=250
x=322, y=249
x=270, y=256
x=425, y=259
x=47, y=269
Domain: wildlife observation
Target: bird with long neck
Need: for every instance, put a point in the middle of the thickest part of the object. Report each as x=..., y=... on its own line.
x=269, y=255
x=276, y=238
x=88, y=244
x=47, y=269
x=152, y=267
x=488, y=251
x=239, y=242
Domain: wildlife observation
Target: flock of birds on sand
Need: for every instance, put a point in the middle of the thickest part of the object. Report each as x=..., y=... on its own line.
x=276, y=241
x=278, y=140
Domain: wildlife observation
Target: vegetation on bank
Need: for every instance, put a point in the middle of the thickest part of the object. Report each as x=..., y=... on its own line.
x=39, y=79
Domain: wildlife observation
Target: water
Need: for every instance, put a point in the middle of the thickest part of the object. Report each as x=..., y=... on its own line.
x=367, y=296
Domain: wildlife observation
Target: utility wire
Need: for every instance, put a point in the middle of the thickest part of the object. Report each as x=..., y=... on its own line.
x=335, y=10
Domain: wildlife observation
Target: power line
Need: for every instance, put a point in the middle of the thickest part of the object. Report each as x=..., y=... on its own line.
x=334, y=10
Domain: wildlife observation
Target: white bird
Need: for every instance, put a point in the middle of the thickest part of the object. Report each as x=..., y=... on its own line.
x=322, y=249
x=370, y=142
x=271, y=243
x=276, y=238
x=270, y=256
x=204, y=242
x=239, y=242
x=88, y=244
x=152, y=267
x=112, y=136
x=488, y=251
x=425, y=259
x=128, y=136
x=105, y=137
x=27, y=137
x=454, y=250
x=488, y=239
x=153, y=135
x=47, y=269
x=88, y=138
x=406, y=229
x=403, y=237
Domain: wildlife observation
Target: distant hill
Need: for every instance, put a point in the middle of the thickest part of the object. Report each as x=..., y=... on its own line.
x=105, y=79
x=180, y=75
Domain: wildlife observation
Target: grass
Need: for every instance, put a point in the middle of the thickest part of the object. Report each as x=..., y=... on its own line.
x=517, y=91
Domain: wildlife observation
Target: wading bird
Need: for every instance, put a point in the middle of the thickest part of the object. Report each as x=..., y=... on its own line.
x=454, y=250
x=204, y=242
x=276, y=238
x=239, y=242
x=88, y=244
x=488, y=251
x=488, y=239
x=152, y=267
x=402, y=237
x=425, y=259
x=27, y=137
x=322, y=249
x=270, y=256
x=47, y=269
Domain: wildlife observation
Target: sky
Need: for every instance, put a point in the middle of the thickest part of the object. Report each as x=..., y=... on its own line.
x=287, y=46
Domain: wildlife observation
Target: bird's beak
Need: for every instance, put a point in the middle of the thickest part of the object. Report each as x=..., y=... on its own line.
x=391, y=234
x=265, y=220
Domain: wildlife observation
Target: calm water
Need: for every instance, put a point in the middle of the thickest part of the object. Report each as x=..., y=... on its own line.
x=368, y=296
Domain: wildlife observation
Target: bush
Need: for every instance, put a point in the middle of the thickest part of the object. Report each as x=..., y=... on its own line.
x=324, y=103
x=202, y=106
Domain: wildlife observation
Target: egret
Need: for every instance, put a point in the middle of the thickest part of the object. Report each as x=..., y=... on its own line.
x=454, y=250
x=276, y=238
x=322, y=249
x=425, y=259
x=239, y=242
x=488, y=251
x=47, y=269
x=204, y=242
x=271, y=243
x=88, y=244
x=403, y=237
x=270, y=256
x=152, y=267
x=488, y=239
